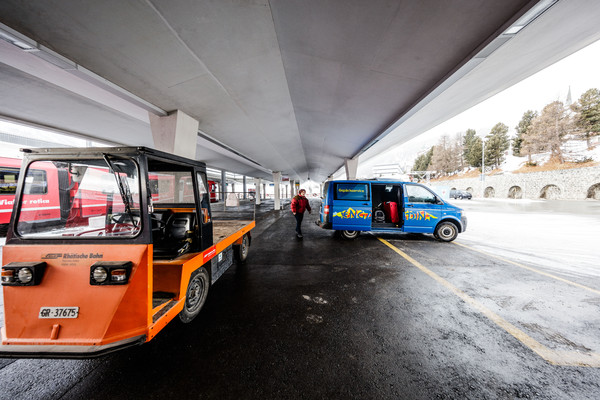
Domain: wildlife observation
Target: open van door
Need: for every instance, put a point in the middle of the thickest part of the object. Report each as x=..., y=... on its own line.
x=352, y=206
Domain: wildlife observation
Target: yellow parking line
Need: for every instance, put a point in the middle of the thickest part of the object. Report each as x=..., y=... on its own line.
x=564, y=358
x=537, y=271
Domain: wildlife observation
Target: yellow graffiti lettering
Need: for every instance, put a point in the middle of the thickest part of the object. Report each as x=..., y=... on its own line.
x=350, y=213
x=418, y=215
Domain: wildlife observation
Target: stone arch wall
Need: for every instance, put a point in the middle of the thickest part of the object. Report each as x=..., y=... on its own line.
x=489, y=192
x=550, y=192
x=515, y=192
x=575, y=184
x=594, y=192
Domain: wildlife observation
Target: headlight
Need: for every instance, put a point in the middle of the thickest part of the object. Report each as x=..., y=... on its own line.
x=110, y=272
x=25, y=275
x=99, y=275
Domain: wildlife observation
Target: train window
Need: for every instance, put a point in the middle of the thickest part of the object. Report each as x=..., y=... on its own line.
x=36, y=182
x=8, y=180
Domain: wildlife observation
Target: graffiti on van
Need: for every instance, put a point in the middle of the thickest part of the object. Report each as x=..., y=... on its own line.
x=352, y=213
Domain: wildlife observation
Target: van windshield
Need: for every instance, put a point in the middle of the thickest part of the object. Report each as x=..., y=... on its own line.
x=80, y=198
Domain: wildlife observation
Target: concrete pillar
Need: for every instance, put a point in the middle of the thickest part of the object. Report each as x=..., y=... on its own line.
x=244, y=188
x=257, y=185
x=223, y=185
x=176, y=133
x=351, y=166
x=276, y=190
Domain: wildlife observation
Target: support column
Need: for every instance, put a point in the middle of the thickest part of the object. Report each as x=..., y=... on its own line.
x=292, y=189
x=351, y=166
x=223, y=186
x=257, y=185
x=244, y=188
x=177, y=133
x=276, y=192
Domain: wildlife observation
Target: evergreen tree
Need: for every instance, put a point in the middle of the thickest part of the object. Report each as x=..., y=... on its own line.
x=496, y=144
x=587, y=115
x=422, y=161
x=521, y=129
x=471, y=144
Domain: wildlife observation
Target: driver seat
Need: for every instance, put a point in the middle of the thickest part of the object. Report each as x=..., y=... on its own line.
x=177, y=238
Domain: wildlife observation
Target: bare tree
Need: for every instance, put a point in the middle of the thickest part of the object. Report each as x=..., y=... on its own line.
x=445, y=159
x=548, y=131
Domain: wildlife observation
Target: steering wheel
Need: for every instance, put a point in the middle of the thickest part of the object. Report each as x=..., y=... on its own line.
x=117, y=223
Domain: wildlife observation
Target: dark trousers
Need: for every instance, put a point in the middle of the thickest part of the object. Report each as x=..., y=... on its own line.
x=299, y=217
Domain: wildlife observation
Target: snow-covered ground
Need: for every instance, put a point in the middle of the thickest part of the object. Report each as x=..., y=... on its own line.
x=573, y=151
x=562, y=236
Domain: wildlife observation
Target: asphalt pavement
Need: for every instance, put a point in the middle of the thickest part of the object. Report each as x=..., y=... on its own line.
x=380, y=317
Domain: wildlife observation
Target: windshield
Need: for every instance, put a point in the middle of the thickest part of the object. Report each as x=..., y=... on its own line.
x=80, y=198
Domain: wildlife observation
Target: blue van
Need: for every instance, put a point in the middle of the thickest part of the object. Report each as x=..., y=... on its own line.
x=388, y=206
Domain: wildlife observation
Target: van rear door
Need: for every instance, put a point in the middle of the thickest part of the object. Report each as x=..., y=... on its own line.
x=352, y=206
x=422, y=209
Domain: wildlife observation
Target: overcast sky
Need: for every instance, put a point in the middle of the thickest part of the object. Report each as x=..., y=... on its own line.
x=580, y=72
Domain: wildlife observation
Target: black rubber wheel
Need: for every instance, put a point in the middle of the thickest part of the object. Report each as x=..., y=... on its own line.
x=195, y=296
x=350, y=234
x=446, y=232
x=240, y=251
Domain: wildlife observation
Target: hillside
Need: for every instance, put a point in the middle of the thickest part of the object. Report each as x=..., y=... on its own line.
x=575, y=152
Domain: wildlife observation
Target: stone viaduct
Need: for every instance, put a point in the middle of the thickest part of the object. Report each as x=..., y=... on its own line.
x=572, y=184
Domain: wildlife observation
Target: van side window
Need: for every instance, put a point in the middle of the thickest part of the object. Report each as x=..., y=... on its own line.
x=351, y=191
x=418, y=194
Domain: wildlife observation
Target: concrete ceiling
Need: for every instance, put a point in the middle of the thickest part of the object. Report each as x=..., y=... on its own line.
x=295, y=86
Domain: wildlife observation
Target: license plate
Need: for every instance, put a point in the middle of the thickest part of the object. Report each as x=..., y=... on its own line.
x=59, y=312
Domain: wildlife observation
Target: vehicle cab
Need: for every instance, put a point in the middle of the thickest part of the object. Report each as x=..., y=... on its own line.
x=358, y=206
x=132, y=246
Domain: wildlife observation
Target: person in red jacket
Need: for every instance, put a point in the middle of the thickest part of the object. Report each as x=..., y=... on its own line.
x=299, y=205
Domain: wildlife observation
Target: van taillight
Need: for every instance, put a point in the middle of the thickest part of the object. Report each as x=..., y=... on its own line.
x=326, y=210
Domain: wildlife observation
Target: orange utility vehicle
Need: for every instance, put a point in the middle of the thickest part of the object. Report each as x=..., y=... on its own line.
x=135, y=246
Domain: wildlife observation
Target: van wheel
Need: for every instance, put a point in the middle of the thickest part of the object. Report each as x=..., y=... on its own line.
x=446, y=232
x=350, y=234
x=195, y=296
x=241, y=250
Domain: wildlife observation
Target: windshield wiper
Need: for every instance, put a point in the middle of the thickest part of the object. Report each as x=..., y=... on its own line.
x=125, y=192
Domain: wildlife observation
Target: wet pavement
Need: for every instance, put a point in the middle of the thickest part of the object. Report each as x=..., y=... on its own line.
x=380, y=317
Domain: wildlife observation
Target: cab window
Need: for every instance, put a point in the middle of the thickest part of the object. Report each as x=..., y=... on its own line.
x=419, y=194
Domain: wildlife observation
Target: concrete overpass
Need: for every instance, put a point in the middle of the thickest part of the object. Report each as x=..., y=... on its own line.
x=263, y=88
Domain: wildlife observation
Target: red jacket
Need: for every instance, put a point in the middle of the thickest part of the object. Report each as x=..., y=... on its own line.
x=300, y=204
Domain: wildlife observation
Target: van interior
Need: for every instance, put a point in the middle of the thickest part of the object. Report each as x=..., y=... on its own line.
x=387, y=205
